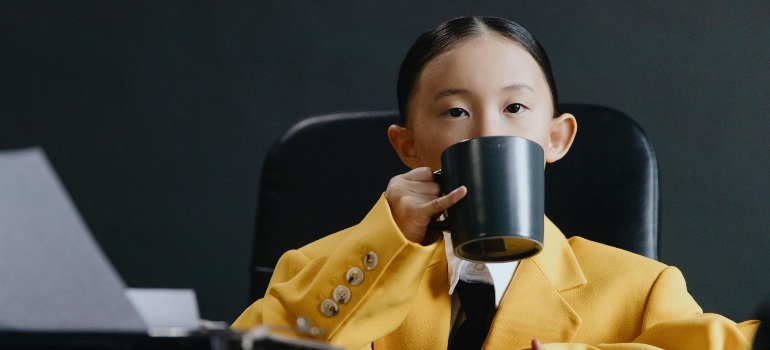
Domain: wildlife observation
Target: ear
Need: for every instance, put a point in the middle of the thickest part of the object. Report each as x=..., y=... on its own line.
x=563, y=130
x=403, y=142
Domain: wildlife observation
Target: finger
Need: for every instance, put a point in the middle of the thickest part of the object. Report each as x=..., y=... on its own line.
x=457, y=195
x=423, y=174
x=442, y=203
x=536, y=344
x=403, y=189
x=419, y=187
x=402, y=185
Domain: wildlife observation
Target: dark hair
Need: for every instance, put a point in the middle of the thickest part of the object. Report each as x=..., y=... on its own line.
x=439, y=39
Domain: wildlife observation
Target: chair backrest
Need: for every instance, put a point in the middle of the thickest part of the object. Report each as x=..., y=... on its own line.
x=762, y=337
x=326, y=172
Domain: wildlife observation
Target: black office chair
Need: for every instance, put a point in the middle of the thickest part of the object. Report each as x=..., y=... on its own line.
x=762, y=337
x=326, y=172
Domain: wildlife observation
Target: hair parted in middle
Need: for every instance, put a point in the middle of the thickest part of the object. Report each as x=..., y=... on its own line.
x=441, y=38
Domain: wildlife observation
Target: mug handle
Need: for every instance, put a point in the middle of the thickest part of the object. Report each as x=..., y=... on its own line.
x=438, y=178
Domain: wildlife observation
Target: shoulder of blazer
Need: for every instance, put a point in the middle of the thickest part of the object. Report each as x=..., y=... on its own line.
x=593, y=256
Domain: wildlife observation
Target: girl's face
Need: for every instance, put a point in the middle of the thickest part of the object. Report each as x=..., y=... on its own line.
x=482, y=86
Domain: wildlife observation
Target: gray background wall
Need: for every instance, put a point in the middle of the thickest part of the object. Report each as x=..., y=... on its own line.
x=157, y=116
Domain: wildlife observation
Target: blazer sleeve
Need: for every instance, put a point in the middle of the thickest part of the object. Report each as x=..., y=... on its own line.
x=673, y=320
x=304, y=278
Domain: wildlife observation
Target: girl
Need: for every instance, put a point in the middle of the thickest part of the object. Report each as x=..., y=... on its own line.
x=391, y=283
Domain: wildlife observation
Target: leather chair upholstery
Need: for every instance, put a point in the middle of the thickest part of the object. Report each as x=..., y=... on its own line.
x=762, y=337
x=326, y=172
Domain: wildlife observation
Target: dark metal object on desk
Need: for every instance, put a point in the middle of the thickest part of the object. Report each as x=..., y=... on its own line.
x=204, y=340
x=266, y=337
x=501, y=217
x=219, y=340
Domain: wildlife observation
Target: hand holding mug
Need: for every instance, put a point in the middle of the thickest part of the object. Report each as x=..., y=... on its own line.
x=415, y=200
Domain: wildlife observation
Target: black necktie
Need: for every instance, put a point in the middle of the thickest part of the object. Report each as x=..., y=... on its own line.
x=478, y=302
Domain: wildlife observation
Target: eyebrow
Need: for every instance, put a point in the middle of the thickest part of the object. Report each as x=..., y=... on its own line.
x=450, y=92
x=516, y=87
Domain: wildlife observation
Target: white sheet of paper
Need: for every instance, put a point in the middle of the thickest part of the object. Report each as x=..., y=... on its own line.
x=54, y=275
x=165, y=307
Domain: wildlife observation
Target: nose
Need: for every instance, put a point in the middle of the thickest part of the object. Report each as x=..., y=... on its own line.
x=489, y=123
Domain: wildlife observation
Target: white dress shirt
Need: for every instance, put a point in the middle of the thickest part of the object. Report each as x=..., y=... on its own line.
x=497, y=274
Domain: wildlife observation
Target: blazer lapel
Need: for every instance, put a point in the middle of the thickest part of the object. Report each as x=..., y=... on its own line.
x=532, y=307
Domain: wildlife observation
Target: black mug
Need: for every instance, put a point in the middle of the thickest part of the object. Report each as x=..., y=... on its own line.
x=501, y=216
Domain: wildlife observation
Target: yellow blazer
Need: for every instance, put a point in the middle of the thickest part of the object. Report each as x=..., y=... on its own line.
x=575, y=294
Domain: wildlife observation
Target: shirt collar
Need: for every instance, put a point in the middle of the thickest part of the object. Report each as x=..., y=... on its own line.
x=497, y=274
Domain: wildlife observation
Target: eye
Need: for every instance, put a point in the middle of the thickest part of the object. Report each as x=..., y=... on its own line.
x=514, y=108
x=455, y=112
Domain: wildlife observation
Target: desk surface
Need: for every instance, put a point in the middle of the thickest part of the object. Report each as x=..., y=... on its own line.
x=123, y=341
x=208, y=340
